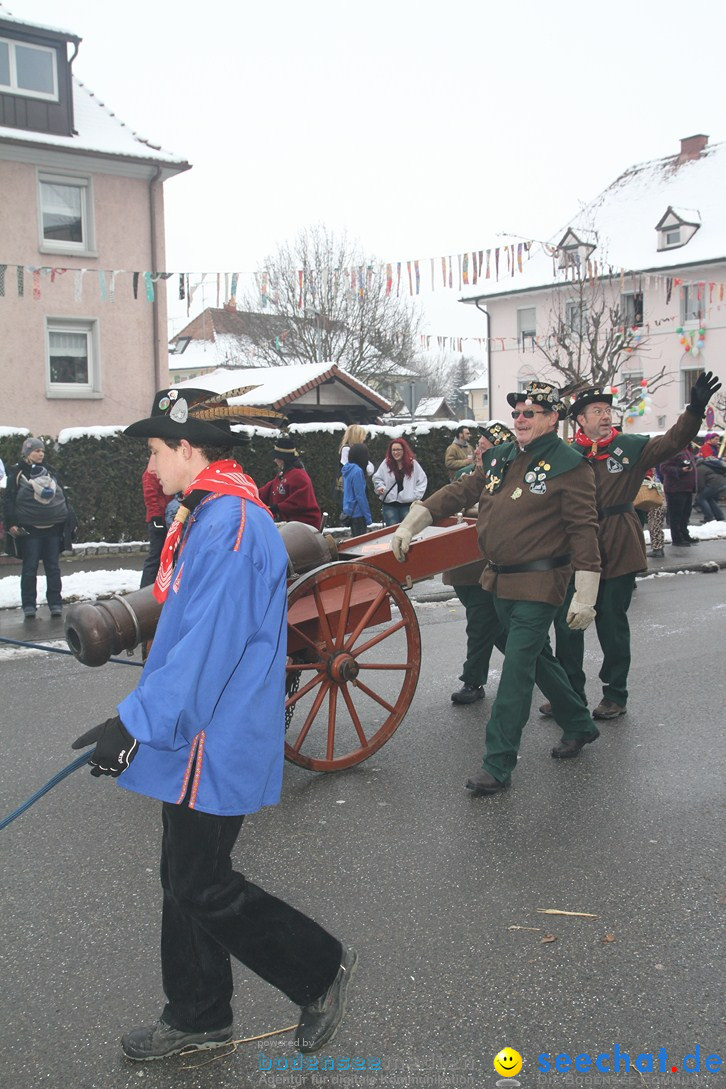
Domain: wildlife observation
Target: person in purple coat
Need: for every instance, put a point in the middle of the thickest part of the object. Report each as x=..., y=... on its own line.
x=203, y=732
x=679, y=483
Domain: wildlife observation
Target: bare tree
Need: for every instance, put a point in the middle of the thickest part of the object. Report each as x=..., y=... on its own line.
x=332, y=304
x=444, y=377
x=591, y=341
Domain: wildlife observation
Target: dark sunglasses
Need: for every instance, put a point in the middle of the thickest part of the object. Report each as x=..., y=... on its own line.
x=528, y=413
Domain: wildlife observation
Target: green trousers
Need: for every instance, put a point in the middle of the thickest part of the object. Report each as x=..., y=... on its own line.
x=613, y=633
x=482, y=629
x=528, y=658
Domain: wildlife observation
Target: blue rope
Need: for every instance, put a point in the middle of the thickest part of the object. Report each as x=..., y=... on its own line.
x=60, y=650
x=79, y=762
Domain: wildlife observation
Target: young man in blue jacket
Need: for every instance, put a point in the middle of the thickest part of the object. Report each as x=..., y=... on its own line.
x=203, y=732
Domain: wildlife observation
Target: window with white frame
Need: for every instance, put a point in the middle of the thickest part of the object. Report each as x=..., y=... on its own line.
x=630, y=385
x=526, y=326
x=689, y=376
x=65, y=214
x=72, y=358
x=575, y=317
x=28, y=70
x=693, y=303
x=631, y=305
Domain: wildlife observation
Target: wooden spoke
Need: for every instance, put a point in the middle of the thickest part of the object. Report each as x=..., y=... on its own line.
x=332, y=606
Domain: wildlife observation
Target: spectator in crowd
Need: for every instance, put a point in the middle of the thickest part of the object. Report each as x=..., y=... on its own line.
x=355, y=500
x=656, y=519
x=290, y=494
x=398, y=481
x=679, y=481
x=356, y=433
x=710, y=447
x=155, y=503
x=711, y=484
x=39, y=521
x=460, y=454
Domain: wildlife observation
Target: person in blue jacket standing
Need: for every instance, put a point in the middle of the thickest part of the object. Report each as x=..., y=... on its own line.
x=355, y=500
x=203, y=732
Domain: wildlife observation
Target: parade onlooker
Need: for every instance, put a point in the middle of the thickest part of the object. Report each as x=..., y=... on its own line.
x=155, y=504
x=355, y=433
x=355, y=500
x=290, y=495
x=37, y=517
x=711, y=484
x=655, y=519
x=398, y=481
x=679, y=481
x=460, y=453
x=203, y=733
x=537, y=522
x=711, y=444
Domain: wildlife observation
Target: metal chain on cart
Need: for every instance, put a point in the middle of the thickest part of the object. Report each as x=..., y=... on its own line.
x=292, y=683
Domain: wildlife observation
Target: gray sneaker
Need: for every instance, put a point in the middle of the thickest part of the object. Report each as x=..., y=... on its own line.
x=160, y=1040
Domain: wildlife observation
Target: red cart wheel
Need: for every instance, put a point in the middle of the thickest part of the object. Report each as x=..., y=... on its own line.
x=353, y=664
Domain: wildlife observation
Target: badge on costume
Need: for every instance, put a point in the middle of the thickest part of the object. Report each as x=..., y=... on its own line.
x=516, y=493
x=539, y=487
x=179, y=412
x=613, y=466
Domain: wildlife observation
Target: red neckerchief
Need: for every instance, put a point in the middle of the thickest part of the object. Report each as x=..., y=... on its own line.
x=582, y=440
x=222, y=478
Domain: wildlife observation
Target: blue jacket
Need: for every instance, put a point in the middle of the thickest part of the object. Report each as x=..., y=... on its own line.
x=355, y=500
x=210, y=703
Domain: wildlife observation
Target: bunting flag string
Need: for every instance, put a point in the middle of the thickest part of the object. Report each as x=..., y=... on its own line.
x=472, y=268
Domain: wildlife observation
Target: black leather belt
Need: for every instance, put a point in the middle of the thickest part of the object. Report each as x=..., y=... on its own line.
x=535, y=565
x=619, y=508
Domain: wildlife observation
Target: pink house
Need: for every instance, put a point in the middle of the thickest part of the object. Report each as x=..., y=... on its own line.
x=653, y=244
x=81, y=238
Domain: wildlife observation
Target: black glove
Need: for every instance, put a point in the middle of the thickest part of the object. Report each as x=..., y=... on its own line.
x=115, y=747
x=706, y=385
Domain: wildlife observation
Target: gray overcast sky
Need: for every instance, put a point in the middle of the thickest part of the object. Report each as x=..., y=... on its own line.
x=423, y=130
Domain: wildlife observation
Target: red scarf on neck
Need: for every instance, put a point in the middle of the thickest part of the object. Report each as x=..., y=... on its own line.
x=222, y=478
x=582, y=440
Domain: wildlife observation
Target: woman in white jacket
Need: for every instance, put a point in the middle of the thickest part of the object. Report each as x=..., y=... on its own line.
x=398, y=480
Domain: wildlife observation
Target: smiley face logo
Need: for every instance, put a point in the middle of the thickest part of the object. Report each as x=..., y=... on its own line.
x=508, y=1062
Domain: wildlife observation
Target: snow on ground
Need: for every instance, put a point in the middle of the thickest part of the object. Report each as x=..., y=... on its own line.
x=80, y=586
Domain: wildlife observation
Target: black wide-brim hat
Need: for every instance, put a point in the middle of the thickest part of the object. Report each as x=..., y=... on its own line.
x=197, y=415
x=497, y=433
x=589, y=397
x=540, y=393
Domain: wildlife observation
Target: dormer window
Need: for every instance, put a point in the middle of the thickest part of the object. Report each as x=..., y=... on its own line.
x=574, y=251
x=676, y=228
x=28, y=70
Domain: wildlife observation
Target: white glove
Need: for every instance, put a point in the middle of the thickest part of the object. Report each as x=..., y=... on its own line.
x=581, y=612
x=418, y=518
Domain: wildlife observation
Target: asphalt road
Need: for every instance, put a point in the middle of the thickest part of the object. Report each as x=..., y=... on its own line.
x=439, y=891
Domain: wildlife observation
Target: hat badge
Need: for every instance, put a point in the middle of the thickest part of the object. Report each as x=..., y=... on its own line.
x=179, y=412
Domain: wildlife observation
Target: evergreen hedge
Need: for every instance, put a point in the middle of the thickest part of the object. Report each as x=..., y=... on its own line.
x=103, y=472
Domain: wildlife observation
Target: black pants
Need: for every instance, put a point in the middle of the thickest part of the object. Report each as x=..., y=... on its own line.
x=43, y=545
x=679, y=511
x=358, y=526
x=153, y=556
x=210, y=912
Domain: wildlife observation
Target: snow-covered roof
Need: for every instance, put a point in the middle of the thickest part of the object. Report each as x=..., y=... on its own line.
x=98, y=131
x=429, y=406
x=277, y=386
x=624, y=218
x=6, y=17
x=477, y=383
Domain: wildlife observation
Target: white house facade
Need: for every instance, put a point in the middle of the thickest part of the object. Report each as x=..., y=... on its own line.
x=653, y=244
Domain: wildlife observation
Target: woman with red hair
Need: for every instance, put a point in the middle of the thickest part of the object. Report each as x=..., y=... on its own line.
x=398, y=480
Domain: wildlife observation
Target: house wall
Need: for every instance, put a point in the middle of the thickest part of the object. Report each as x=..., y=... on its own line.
x=127, y=328
x=478, y=403
x=659, y=347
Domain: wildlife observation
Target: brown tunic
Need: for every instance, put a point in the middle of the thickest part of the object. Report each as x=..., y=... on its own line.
x=622, y=545
x=536, y=525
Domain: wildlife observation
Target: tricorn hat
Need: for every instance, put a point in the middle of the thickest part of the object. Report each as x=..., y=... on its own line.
x=539, y=393
x=497, y=433
x=197, y=415
x=589, y=397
